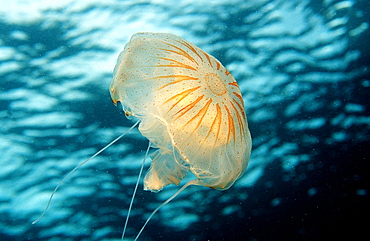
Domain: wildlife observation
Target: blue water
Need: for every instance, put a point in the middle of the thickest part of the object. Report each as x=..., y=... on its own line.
x=303, y=69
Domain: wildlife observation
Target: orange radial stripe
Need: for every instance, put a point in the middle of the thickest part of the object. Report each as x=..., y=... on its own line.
x=231, y=124
x=180, y=97
x=174, y=65
x=179, y=63
x=186, y=55
x=227, y=72
x=201, y=113
x=239, y=97
x=176, y=76
x=208, y=58
x=182, y=52
x=178, y=79
x=218, y=65
x=189, y=47
x=240, y=107
x=188, y=107
x=216, y=122
x=240, y=121
x=234, y=84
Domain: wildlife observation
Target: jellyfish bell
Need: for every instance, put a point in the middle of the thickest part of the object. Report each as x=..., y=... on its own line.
x=189, y=107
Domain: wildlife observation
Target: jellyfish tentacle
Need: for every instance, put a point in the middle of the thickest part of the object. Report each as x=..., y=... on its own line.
x=134, y=193
x=191, y=182
x=80, y=165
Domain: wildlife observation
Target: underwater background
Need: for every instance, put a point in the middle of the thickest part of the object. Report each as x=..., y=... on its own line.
x=303, y=69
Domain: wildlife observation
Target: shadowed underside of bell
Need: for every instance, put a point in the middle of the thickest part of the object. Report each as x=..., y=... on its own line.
x=190, y=107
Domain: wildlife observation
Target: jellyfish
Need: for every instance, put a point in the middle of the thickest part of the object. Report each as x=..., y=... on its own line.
x=189, y=107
